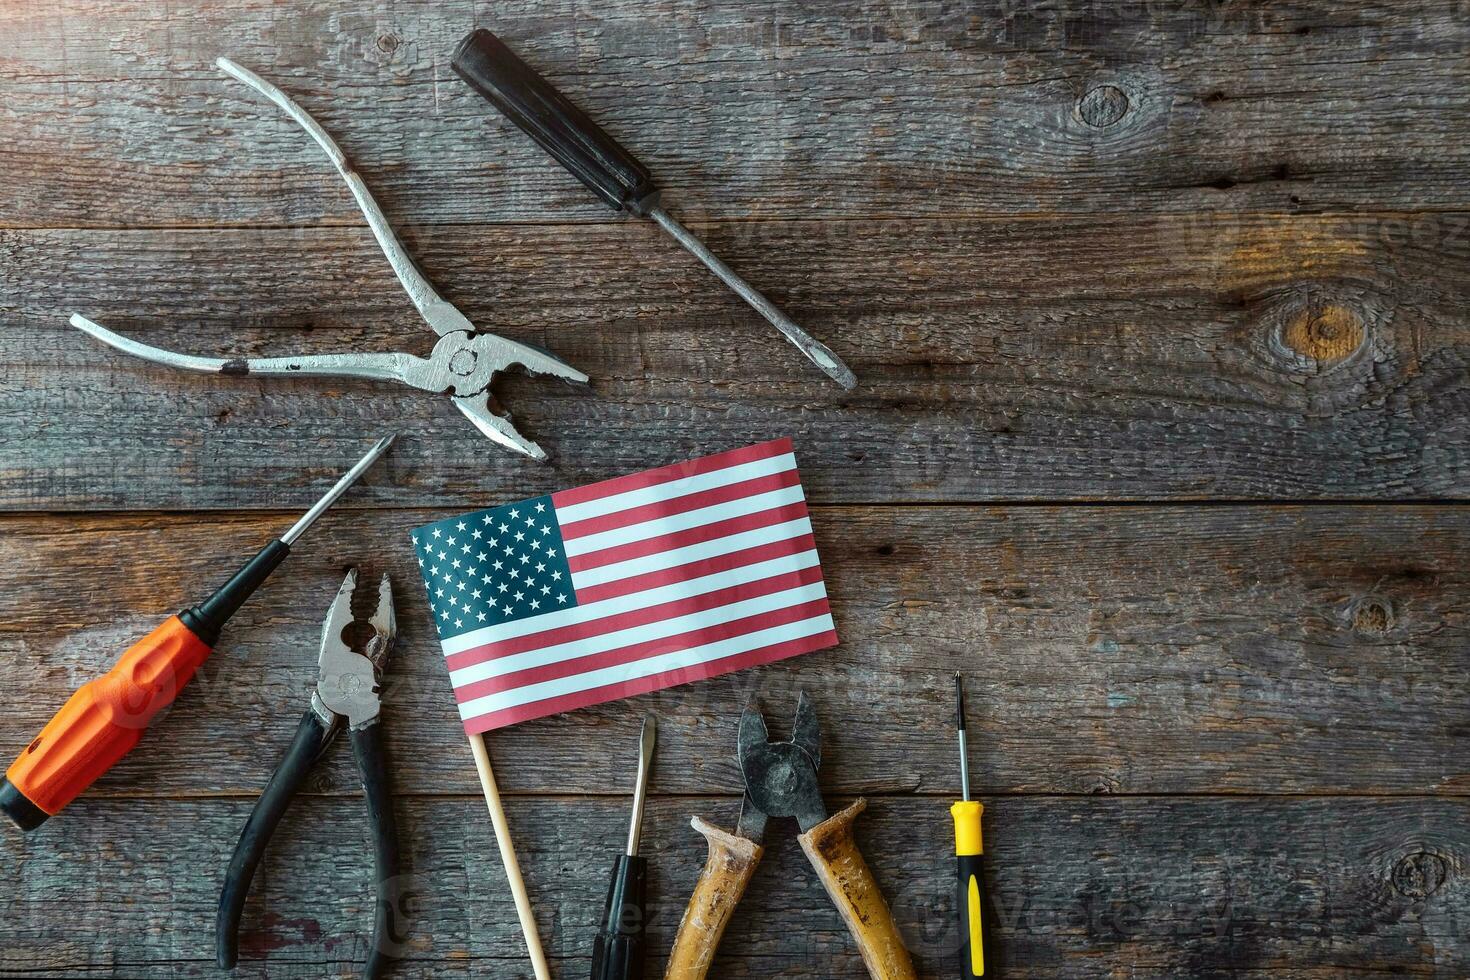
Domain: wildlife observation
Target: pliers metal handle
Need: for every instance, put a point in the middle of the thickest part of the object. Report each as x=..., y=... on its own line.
x=463, y=362
x=346, y=695
x=462, y=366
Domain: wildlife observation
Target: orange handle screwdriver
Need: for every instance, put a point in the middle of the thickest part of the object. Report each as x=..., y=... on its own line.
x=105, y=718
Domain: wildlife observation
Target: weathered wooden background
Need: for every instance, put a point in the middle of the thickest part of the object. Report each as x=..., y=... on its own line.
x=1163, y=437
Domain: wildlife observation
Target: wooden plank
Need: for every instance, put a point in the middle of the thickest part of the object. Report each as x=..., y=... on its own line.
x=1087, y=887
x=1110, y=358
x=116, y=115
x=1109, y=650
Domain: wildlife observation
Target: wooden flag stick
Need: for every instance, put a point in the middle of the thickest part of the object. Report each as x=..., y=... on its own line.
x=508, y=857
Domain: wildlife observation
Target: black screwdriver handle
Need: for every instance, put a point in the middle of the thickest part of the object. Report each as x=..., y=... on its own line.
x=618, y=951
x=549, y=118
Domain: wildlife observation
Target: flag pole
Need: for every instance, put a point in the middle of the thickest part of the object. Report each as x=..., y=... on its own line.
x=508, y=857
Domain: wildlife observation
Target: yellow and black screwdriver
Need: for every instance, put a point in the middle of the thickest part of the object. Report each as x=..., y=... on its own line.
x=977, y=955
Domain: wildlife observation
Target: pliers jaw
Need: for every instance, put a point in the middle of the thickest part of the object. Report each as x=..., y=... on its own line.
x=464, y=364
x=348, y=681
x=781, y=777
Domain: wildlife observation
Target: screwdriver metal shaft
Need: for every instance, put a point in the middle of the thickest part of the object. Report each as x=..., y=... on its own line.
x=600, y=162
x=330, y=497
x=646, y=739
x=816, y=351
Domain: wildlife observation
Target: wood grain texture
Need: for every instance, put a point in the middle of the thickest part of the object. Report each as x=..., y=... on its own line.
x=1110, y=650
x=1081, y=256
x=1143, y=887
x=116, y=114
x=1106, y=358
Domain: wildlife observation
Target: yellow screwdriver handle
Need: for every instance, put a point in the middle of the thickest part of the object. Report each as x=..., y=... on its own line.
x=972, y=899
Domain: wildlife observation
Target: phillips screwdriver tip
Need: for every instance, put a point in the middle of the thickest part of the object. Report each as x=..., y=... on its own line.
x=959, y=702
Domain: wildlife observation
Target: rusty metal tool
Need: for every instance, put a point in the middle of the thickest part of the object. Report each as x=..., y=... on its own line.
x=781, y=781
x=609, y=171
x=347, y=692
x=464, y=360
x=619, y=950
x=105, y=718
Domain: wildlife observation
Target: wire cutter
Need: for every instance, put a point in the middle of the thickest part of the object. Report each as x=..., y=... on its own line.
x=781, y=781
x=347, y=691
x=463, y=362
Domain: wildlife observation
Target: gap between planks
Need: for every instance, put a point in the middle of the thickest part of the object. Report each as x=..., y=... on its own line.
x=579, y=225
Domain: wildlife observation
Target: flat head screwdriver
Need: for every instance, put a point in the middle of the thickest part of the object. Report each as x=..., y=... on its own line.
x=105, y=718
x=618, y=952
x=609, y=171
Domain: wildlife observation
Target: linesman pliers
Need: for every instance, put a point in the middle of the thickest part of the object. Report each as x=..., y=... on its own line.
x=781, y=781
x=347, y=690
x=463, y=362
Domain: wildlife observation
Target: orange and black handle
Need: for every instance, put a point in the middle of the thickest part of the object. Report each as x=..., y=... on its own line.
x=975, y=910
x=106, y=717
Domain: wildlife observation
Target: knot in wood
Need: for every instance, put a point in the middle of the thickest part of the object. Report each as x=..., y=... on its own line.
x=1372, y=614
x=1103, y=106
x=1327, y=333
x=388, y=43
x=320, y=782
x=1419, y=875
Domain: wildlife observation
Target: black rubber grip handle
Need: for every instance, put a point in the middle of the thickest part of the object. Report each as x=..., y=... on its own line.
x=389, y=926
x=209, y=617
x=313, y=736
x=618, y=951
x=977, y=920
x=549, y=118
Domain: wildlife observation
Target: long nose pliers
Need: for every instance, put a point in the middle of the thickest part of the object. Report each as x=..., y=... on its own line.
x=346, y=694
x=463, y=362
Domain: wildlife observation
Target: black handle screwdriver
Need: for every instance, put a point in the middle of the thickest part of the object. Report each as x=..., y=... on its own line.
x=618, y=951
x=609, y=171
x=973, y=901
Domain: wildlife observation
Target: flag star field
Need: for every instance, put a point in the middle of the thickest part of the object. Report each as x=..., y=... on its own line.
x=494, y=566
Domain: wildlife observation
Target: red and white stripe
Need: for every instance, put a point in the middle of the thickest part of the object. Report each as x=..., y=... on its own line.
x=681, y=573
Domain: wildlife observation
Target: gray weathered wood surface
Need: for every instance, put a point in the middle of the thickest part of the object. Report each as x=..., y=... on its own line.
x=1163, y=438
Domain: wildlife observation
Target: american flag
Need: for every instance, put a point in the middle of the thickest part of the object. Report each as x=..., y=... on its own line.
x=627, y=586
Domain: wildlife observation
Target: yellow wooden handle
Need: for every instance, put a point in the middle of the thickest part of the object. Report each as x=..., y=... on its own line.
x=727, y=870
x=839, y=864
